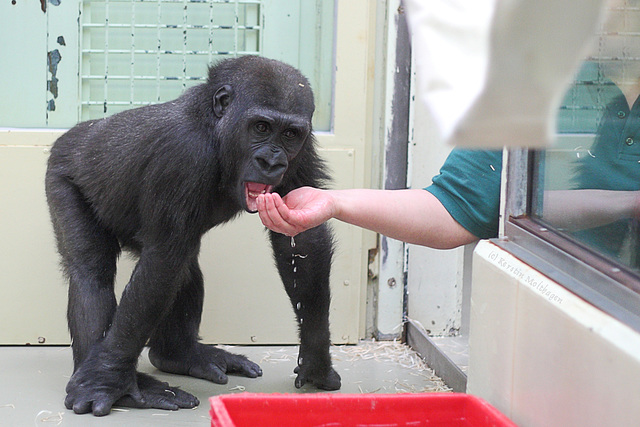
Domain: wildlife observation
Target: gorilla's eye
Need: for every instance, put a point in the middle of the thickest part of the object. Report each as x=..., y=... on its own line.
x=262, y=127
x=290, y=133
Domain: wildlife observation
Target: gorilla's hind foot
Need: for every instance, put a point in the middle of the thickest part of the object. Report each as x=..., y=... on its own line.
x=158, y=395
x=206, y=362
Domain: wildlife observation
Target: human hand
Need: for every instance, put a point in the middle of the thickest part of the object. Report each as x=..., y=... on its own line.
x=300, y=210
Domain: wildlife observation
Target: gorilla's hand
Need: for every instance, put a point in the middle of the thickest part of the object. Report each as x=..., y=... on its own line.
x=100, y=383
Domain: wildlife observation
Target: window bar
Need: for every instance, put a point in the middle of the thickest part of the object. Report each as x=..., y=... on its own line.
x=133, y=50
x=106, y=54
x=163, y=52
x=211, y=22
x=114, y=77
x=184, y=44
x=260, y=35
x=235, y=29
x=159, y=4
x=239, y=27
x=82, y=9
x=257, y=34
x=188, y=26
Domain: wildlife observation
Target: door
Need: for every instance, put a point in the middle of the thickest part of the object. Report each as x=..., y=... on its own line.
x=78, y=59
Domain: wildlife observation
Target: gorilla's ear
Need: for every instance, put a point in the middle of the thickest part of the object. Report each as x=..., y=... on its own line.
x=221, y=100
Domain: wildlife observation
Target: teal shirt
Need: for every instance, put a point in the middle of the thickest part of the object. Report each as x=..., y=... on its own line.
x=468, y=186
x=613, y=164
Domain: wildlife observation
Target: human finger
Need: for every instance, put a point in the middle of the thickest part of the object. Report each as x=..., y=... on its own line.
x=272, y=217
x=290, y=218
x=262, y=211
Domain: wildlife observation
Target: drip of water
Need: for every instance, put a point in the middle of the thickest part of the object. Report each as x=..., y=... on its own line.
x=293, y=262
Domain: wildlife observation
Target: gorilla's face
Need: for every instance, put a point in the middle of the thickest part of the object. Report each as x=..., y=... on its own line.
x=270, y=126
x=274, y=139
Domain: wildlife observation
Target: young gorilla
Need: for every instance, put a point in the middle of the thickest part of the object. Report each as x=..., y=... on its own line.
x=153, y=180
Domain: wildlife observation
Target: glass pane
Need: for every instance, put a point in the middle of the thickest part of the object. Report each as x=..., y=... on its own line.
x=588, y=183
x=301, y=33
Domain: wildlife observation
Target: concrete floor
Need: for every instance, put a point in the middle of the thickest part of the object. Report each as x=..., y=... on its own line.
x=456, y=348
x=32, y=382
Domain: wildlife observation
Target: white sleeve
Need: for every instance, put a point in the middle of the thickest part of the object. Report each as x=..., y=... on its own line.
x=493, y=72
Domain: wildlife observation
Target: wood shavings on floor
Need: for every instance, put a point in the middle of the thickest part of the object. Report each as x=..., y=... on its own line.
x=49, y=417
x=368, y=367
x=395, y=354
x=279, y=355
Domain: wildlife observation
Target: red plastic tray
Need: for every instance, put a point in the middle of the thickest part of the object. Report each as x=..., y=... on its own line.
x=334, y=410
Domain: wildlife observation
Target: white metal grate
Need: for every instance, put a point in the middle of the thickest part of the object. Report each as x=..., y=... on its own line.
x=138, y=52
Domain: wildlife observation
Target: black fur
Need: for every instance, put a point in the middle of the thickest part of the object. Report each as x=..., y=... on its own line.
x=152, y=181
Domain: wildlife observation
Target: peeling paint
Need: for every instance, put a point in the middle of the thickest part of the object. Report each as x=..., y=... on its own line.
x=43, y=4
x=61, y=41
x=53, y=59
x=51, y=105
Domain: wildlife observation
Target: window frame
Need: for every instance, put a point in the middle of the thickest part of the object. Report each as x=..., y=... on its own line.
x=607, y=285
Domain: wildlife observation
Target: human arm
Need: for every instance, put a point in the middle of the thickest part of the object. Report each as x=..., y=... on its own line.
x=582, y=209
x=414, y=216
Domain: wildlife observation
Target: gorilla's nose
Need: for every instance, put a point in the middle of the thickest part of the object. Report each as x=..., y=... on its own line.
x=272, y=164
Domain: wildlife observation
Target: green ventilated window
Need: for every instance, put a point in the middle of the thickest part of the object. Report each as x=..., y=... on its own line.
x=84, y=59
x=137, y=52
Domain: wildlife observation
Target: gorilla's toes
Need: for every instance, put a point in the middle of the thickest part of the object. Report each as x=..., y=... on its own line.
x=329, y=380
x=158, y=395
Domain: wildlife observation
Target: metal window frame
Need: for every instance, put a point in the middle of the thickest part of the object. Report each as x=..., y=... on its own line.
x=611, y=287
x=181, y=29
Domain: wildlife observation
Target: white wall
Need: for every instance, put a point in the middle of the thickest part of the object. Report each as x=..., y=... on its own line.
x=543, y=356
x=435, y=277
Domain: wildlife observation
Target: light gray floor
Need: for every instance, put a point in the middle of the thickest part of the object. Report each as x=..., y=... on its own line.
x=457, y=348
x=32, y=382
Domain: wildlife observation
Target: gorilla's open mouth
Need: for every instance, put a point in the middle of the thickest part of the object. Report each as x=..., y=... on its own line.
x=251, y=192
